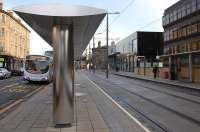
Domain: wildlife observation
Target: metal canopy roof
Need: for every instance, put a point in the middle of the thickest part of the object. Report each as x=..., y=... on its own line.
x=85, y=21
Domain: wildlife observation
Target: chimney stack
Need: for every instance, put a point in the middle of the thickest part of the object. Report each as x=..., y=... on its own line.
x=1, y=4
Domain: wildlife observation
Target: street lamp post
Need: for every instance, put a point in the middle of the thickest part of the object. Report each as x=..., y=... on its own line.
x=107, y=38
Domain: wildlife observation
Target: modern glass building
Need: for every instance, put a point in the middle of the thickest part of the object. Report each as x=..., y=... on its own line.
x=137, y=52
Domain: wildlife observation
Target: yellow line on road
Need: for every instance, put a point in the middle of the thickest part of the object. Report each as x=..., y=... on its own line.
x=10, y=106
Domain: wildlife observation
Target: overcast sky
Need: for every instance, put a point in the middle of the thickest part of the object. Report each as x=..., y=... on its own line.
x=137, y=16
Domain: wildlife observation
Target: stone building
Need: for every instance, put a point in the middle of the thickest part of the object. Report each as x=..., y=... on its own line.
x=99, y=57
x=14, y=40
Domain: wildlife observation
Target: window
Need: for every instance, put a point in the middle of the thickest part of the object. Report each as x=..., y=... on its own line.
x=184, y=31
x=163, y=20
x=196, y=59
x=189, y=46
x=184, y=61
x=167, y=19
x=179, y=13
x=175, y=34
x=183, y=11
x=179, y=33
x=171, y=35
x=2, y=32
x=2, y=18
x=193, y=8
x=178, y=49
x=166, y=50
x=188, y=30
x=171, y=17
x=167, y=35
x=183, y=48
x=198, y=45
x=175, y=15
x=188, y=8
x=194, y=28
x=2, y=47
x=174, y=50
x=199, y=27
x=170, y=50
x=194, y=46
x=198, y=4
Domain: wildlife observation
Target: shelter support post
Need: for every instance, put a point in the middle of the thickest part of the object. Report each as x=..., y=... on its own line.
x=63, y=82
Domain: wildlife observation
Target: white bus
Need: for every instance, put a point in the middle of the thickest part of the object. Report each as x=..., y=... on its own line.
x=38, y=68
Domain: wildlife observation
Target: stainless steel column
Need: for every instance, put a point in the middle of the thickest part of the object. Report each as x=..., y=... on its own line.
x=63, y=86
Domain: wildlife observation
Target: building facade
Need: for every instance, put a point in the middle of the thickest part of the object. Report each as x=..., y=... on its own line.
x=99, y=57
x=137, y=52
x=181, y=57
x=14, y=40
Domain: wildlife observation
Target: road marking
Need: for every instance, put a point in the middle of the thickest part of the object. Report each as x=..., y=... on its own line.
x=119, y=106
x=15, y=84
x=10, y=106
x=3, y=110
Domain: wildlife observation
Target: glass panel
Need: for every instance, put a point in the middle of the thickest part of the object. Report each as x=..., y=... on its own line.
x=194, y=28
x=175, y=15
x=37, y=67
x=165, y=36
x=2, y=18
x=179, y=33
x=193, y=6
x=184, y=32
x=198, y=4
x=171, y=34
x=196, y=59
x=194, y=46
x=188, y=8
x=198, y=45
x=199, y=27
x=183, y=11
x=167, y=19
x=188, y=30
x=2, y=32
x=164, y=21
x=175, y=34
x=171, y=17
x=179, y=13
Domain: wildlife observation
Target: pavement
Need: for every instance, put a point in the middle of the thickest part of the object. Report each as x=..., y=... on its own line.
x=95, y=111
x=194, y=86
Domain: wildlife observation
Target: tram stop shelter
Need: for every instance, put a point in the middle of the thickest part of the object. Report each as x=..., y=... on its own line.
x=68, y=29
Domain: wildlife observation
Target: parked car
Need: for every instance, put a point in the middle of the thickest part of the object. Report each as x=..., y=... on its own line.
x=4, y=73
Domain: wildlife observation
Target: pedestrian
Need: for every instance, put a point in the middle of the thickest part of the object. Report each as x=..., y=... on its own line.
x=155, y=71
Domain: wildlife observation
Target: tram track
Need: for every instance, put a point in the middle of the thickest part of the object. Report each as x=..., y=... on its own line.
x=142, y=113
x=167, y=93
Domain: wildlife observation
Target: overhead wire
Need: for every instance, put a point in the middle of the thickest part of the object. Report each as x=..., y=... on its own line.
x=121, y=12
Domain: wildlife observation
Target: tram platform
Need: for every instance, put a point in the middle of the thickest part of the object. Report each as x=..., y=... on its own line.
x=94, y=111
x=175, y=83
